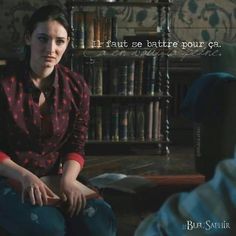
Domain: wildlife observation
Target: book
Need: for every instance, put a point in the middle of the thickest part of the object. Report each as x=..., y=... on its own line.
x=156, y=121
x=114, y=29
x=79, y=30
x=97, y=32
x=108, y=29
x=121, y=182
x=138, y=77
x=150, y=75
x=103, y=34
x=115, y=122
x=122, y=80
x=130, y=77
x=106, y=123
x=131, y=122
x=89, y=73
x=98, y=77
x=149, y=121
x=123, y=115
x=89, y=29
x=114, y=77
x=53, y=182
x=140, y=122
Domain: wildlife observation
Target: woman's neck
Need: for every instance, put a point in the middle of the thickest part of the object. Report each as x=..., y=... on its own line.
x=40, y=81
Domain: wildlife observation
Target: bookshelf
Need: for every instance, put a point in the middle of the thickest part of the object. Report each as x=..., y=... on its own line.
x=129, y=80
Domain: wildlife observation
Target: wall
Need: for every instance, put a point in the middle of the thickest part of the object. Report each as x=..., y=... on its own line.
x=191, y=20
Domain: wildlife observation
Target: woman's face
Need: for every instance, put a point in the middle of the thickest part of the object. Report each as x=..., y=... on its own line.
x=48, y=43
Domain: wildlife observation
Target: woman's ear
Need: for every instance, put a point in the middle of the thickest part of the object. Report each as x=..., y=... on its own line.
x=27, y=39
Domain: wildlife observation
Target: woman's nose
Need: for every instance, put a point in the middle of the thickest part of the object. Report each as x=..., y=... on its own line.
x=51, y=46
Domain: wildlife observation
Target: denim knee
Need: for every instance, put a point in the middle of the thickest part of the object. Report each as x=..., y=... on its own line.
x=47, y=223
x=97, y=219
x=102, y=218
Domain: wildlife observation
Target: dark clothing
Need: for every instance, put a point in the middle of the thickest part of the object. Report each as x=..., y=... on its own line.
x=38, y=138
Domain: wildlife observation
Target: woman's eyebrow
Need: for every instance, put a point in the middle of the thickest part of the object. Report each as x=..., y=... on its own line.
x=44, y=34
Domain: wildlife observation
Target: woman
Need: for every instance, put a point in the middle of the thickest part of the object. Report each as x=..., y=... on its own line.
x=44, y=111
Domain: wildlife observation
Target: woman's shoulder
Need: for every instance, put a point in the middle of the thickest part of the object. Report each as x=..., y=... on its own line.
x=73, y=78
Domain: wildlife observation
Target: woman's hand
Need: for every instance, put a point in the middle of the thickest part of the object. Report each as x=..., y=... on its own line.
x=35, y=189
x=70, y=193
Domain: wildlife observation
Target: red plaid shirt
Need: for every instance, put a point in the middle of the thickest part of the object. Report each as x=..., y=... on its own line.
x=38, y=140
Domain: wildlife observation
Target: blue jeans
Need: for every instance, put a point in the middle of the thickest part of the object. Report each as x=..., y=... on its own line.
x=97, y=219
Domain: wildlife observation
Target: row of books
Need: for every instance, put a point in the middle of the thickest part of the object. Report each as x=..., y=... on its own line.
x=130, y=122
x=120, y=76
x=92, y=30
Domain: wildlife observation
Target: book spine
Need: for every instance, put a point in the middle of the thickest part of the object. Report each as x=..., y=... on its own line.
x=108, y=28
x=131, y=122
x=149, y=121
x=114, y=77
x=140, y=122
x=89, y=73
x=79, y=30
x=156, y=120
x=98, y=77
x=115, y=122
x=122, y=90
x=114, y=29
x=150, y=75
x=151, y=89
x=97, y=31
x=89, y=29
x=130, y=77
x=102, y=30
x=107, y=123
x=138, y=83
x=123, y=123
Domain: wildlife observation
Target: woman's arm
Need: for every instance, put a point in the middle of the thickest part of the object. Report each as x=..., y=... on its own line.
x=70, y=191
x=73, y=149
x=71, y=170
x=31, y=185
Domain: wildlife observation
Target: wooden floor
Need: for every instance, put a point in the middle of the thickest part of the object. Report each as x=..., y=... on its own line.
x=179, y=161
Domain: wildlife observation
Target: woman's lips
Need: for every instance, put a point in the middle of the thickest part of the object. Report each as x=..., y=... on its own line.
x=49, y=58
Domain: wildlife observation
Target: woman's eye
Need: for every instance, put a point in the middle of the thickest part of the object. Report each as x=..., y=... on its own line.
x=60, y=42
x=42, y=39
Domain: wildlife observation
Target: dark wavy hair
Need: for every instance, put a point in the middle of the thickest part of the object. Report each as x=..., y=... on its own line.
x=46, y=13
